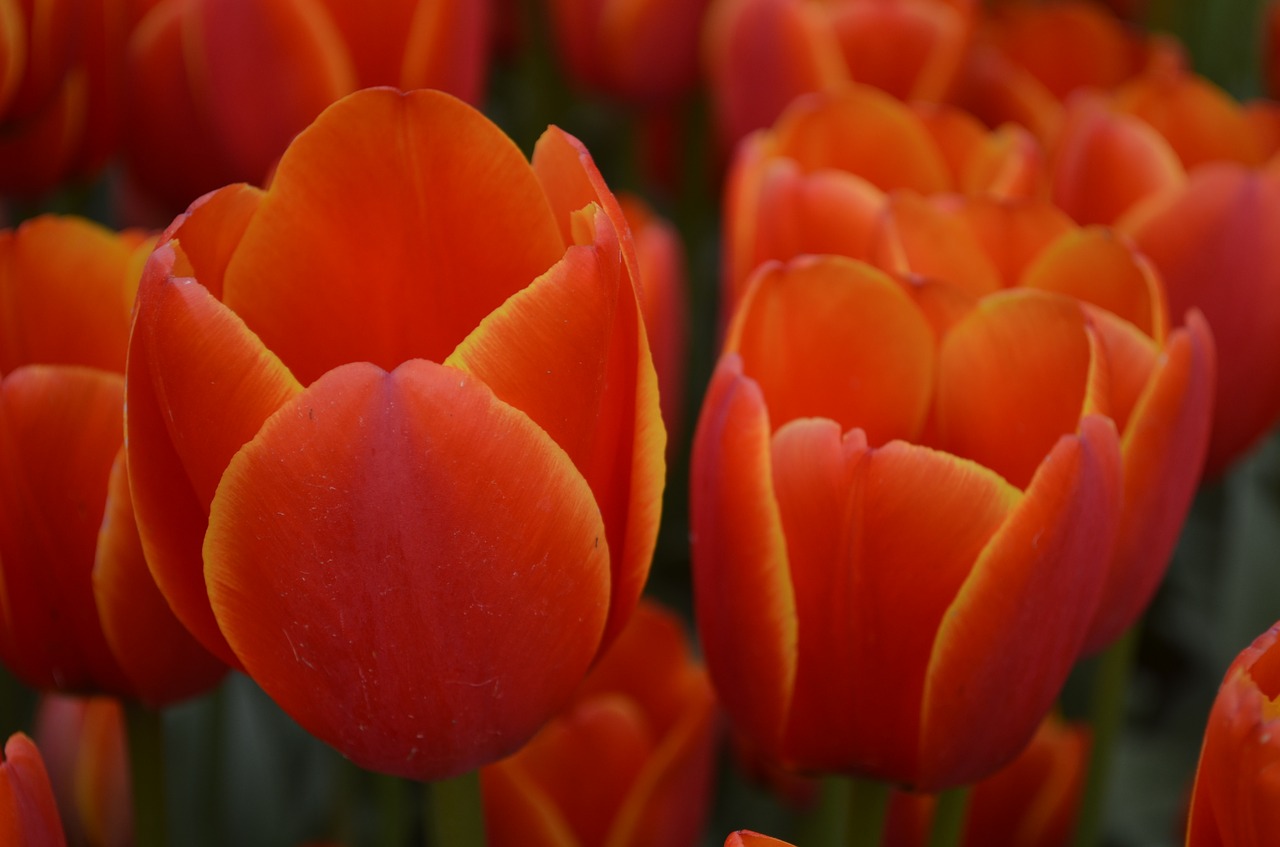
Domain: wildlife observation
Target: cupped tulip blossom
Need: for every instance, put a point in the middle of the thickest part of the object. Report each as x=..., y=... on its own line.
x=81, y=612
x=28, y=811
x=864, y=597
x=762, y=54
x=83, y=742
x=1159, y=382
x=629, y=762
x=1032, y=802
x=1236, y=799
x=218, y=88
x=818, y=180
x=413, y=377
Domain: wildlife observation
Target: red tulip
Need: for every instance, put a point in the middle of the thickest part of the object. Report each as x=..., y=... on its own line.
x=82, y=611
x=219, y=87
x=629, y=762
x=745, y=838
x=413, y=376
x=83, y=740
x=817, y=510
x=1236, y=799
x=28, y=813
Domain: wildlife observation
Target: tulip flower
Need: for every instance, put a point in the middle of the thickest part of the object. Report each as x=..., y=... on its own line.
x=629, y=762
x=746, y=838
x=83, y=739
x=219, y=87
x=762, y=54
x=28, y=812
x=82, y=612
x=413, y=376
x=817, y=182
x=1236, y=799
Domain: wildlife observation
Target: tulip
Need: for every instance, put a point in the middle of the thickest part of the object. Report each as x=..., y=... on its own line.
x=1236, y=798
x=762, y=54
x=82, y=612
x=412, y=375
x=28, y=812
x=219, y=87
x=83, y=740
x=746, y=838
x=629, y=762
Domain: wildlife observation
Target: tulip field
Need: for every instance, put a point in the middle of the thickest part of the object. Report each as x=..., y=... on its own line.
x=639, y=423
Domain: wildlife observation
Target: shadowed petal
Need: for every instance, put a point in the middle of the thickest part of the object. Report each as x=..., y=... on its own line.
x=28, y=811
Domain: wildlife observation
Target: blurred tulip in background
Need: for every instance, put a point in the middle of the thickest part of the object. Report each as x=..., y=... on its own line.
x=28, y=811
x=83, y=742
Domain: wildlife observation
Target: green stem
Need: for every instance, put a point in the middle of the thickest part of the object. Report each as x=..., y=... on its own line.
x=456, y=816
x=868, y=807
x=392, y=831
x=146, y=761
x=1111, y=681
x=948, y=818
x=826, y=824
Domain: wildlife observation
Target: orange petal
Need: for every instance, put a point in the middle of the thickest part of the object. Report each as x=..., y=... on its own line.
x=1008, y=165
x=206, y=236
x=518, y=813
x=447, y=48
x=199, y=386
x=28, y=812
x=1098, y=266
x=860, y=525
x=160, y=658
x=911, y=50
x=567, y=352
x=1023, y=612
x=62, y=283
x=1012, y=379
x=439, y=579
x=865, y=132
x=383, y=238
x=1013, y=233
x=742, y=587
x=60, y=429
x=1164, y=446
x=920, y=238
x=834, y=338
x=744, y=838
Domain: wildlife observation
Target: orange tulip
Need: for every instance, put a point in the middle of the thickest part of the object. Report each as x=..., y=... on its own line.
x=82, y=612
x=817, y=181
x=629, y=762
x=1236, y=799
x=28, y=813
x=762, y=54
x=745, y=838
x=413, y=376
x=219, y=87
x=83, y=740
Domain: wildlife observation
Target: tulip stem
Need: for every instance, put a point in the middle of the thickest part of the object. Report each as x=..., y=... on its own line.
x=868, y=807
x=391, y=811
x=1111, y=682
x=949, y=817
x=146, y=762
x=456, y=812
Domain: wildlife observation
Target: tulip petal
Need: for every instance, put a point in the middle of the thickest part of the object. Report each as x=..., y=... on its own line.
x=439, y=579
x=447, y=47
x=199, y=386
x=1200, y=121
x=918, y=238
x=742, y=587
x=1023, y=611
x=206, y=236
x=1164, y=443
x=567, y=351
x=1012, y=379
x=816, y=317
x=1012, y=234
x=528, y=817
x=879, y=543
x=385, y=237
x=28, y=812
x=59, y=432
x=160, y=658
x=911, y=50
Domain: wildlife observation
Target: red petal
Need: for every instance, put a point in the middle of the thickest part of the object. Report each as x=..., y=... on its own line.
x=1013, y=234
x=206, y=236
x=28, y=812
x=439, y=578
x=1023, y=612
x=518, y=813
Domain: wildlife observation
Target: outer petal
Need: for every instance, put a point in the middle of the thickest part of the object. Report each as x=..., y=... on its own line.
x=918, y=237
x=879, y=541
x=742, y=586
x=199, y=385
x=28, y=813
x=1023, y=612
x=1164, y=447
x=206, y=236
x=59, y=432
x=1013, y=234
x=1199, y=120
x=439, y=578
x=448, y=48
x=743, y=838
x=830, y=337
x=384, y=238
x=911, y=50
x=567, y=351
x=160, y=658
x=519, y=812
